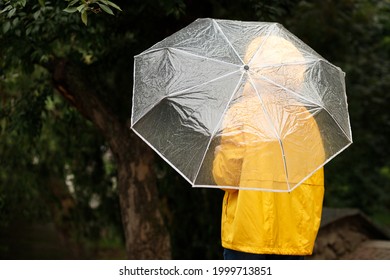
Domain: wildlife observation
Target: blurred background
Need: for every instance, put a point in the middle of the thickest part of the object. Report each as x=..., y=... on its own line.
x=72, y=175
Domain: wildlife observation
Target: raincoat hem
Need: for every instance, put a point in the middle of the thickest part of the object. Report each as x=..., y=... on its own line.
x=265, y=250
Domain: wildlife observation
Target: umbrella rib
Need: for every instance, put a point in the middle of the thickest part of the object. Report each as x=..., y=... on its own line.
x=188, y=53
x=162, y=156
x=284, y=64
x=323, y=164
x=319, y=105
x=291, y=91
x=287, y=89
x=227, y=40
x=132, y=98
x=325, y=61
x=276, y=133
x=261, y=46
x=177, y=93
x=218, y=124
x=243, y=188
x=342, y=129
x=203, y=57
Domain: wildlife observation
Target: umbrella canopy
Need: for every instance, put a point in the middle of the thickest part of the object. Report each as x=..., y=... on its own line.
x=251, y=92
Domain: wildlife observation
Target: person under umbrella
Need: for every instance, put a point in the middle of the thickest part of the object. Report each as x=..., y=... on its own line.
x=263, y=146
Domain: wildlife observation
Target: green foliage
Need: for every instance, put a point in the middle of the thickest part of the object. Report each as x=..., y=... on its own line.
x=54, y=166
x=20, y=125
x=30, y=33
x=91, y=6
x=270, y=10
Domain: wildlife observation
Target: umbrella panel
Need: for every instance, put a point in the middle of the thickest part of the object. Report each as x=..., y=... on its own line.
x=168, y=72
x=180, y=126
x=328, y=82
x=204, y=38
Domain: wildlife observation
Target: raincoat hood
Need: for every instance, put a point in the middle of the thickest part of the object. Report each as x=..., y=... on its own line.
x=272, y=130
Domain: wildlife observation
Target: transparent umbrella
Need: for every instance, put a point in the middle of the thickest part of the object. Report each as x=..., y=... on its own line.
x=233, y=104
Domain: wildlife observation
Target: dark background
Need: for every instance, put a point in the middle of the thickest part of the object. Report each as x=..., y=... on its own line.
x=58, y=194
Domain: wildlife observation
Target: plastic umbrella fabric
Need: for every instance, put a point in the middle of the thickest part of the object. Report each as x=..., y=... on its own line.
x=250, y=93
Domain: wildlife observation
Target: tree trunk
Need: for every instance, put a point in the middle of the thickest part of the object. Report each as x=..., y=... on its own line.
x=145, y=232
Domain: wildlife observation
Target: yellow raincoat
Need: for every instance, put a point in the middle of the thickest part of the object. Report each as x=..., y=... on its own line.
x=265, y=222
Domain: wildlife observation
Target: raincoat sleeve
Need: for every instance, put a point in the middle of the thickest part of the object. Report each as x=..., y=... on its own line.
x=228, y=158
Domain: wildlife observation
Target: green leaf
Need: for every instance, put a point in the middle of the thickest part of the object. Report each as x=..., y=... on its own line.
x=84, y=17
x=70, y=10
x=28, y=30
x=6, y=9
x=73, y=2
x=82, y=7
x=37, y=14
x=11, y=12
x=106, y=2
x=106, y=9
x=22, y=3
x=6, y=26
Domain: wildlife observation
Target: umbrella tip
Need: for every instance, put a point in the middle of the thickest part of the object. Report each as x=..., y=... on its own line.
x=246, y=67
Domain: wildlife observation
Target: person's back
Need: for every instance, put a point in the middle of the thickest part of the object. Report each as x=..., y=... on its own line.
x=270, y=142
